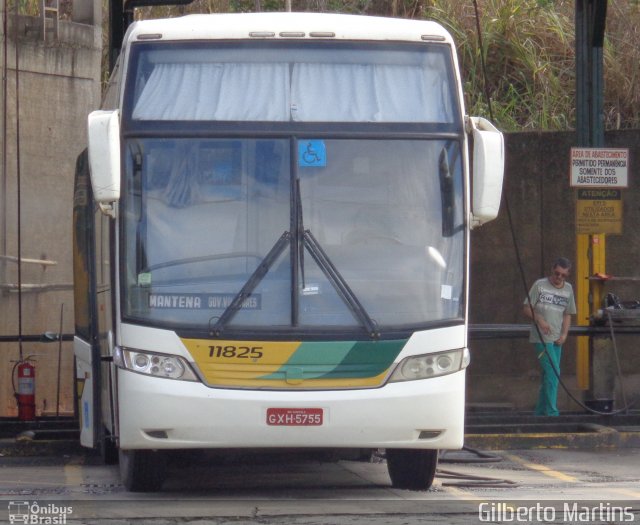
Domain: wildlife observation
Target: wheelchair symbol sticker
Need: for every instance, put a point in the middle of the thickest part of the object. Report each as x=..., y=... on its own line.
x=312, y=153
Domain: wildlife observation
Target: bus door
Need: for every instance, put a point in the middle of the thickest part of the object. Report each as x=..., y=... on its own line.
x=92, y=378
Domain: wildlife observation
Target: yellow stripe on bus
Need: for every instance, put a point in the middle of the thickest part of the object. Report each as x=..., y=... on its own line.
x=260, y=364
x=254, y=358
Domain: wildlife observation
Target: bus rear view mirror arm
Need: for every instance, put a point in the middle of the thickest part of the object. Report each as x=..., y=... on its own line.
x=104, y=158
x=488, y=169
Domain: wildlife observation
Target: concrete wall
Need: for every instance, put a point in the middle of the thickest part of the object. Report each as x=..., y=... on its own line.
x=542, y=206
x=58, y=84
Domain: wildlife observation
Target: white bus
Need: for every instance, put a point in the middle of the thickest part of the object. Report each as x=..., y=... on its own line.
x=272, y=241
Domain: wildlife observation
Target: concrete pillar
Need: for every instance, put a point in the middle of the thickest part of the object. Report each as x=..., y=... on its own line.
x=59, y=84
x=87, y=12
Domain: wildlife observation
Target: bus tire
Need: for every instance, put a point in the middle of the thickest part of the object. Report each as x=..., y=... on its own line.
x=411, y=469
x=142, y=470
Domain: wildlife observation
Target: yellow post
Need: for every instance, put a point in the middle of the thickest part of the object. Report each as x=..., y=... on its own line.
x=598, y=247
x=590, y=260
x=583, y=270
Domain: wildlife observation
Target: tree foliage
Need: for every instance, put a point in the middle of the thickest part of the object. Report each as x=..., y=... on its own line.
x=528, y=46
x=528, y=49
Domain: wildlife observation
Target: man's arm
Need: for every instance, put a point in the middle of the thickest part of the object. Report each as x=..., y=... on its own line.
x=527, y=311
x=566, y=323
x=538, y=319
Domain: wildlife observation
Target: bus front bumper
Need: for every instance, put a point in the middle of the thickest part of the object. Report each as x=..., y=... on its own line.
x=157, y=413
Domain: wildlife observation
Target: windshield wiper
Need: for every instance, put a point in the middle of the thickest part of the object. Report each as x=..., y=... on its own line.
x=256, y=277
x=305, y=239
x=300, y=231
x=448, y=191
x=141, y=227
x=339, y=284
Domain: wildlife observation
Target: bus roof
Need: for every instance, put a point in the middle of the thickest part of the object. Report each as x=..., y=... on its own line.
x=287, y=26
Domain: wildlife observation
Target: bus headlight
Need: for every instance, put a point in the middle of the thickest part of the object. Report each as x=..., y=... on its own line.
x=431, y=365
x=149, y=363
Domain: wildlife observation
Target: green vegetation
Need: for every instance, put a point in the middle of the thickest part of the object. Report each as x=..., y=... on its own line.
x=530, y=57
x=32, y=7
x=27, y=7
x=528, y=48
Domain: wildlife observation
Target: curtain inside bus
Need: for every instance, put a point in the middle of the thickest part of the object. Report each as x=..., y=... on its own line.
x=308, y=92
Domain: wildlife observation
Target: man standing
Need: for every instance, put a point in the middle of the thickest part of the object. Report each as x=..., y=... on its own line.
x=550, y=305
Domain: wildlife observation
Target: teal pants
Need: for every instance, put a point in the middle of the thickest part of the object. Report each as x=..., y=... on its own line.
x=548, y=395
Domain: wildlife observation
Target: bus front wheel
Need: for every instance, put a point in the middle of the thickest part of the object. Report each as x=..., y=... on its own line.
x=142, y=470
x=411, y=469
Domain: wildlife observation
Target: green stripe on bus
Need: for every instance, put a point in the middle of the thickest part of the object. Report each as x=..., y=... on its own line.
x=340, y=359
x=367, y=359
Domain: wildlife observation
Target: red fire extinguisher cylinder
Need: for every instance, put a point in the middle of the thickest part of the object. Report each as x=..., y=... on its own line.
x=26, y=394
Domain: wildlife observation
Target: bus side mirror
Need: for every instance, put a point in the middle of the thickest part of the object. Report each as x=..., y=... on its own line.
x=488, y=170
x=104, y=158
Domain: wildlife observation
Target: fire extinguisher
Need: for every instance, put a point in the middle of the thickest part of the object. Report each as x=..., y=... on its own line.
x=26, y=391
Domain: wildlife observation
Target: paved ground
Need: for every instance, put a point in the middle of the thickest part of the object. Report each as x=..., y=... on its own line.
x=543, y=486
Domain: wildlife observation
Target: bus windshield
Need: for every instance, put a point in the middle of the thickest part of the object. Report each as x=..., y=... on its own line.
x=275, y=82
x=295, y=227
x=307, y=219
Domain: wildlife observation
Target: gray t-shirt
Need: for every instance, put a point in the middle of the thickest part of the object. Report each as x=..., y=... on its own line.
x=552, y=304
